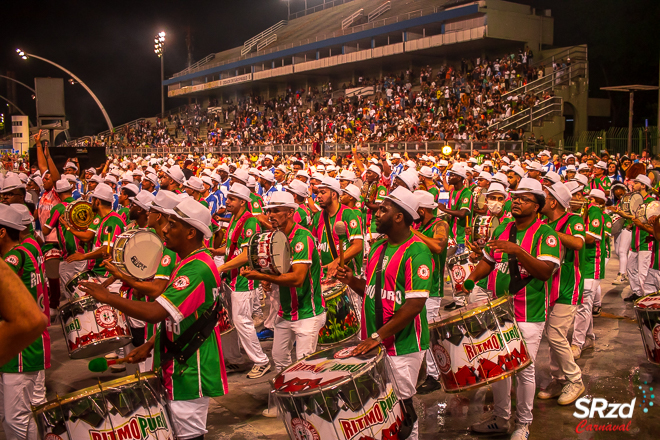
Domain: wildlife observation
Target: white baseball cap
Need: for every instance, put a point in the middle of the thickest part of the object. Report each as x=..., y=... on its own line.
x=406, y=200
x=195, y=214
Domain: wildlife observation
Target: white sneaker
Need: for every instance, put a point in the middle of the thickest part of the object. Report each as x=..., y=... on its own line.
x=492, y=425
x=112, y=355
x=270, y=412
x=589, y=343
x=554, y=389
x=571, y=392
x=618, y=280
x=576, y=352
x=521, y=432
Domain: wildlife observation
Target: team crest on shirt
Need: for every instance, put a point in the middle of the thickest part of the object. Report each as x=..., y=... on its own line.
x=551, y=241
x=358, y=205
x=423, y=272
x=465, y=200
x=181, y=282
x=248, y=232
x=353, y=223
x=166, y=260
x=97, y=221
x=382, y=192
x=12, y=259
x=255, y=205
x=595, y=223
x=608, y=224
x=299, y=246
x=579, y=227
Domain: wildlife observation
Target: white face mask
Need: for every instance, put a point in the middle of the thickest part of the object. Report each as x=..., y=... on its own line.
x=495, y=207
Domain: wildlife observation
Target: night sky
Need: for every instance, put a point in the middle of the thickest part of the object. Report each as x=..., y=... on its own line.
x=109, y=45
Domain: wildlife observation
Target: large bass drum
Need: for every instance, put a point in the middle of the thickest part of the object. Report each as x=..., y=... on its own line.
x=129, y=408
x=137, y=252
x=333, y=395
x=269, y=252
x=478, y=345
x=647, y=211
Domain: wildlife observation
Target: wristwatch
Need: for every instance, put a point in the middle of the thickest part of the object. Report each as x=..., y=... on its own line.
x=376, y=337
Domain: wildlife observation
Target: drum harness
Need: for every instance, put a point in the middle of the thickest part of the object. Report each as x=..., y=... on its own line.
x=409, y=414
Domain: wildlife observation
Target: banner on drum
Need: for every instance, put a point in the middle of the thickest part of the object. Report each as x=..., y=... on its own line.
x=138, y=427
x=494, y=342
x=375, y=416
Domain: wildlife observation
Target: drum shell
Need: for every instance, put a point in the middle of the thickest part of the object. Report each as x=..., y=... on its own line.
x=135, y=267
x=126, y=405
x=72, y=285
x=460, y=267
x=93, y=329
x=342, y=322
x=617, y=223
x=647, y=310
x=484, y=226
x=478, y=346
x=262, y=254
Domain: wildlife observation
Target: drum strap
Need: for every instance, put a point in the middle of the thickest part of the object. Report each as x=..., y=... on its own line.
x=516, y=283
x=237, y=232
x=378, y=297
x=192, y=338
x=328, y=233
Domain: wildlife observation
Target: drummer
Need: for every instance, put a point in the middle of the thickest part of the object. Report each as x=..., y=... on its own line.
x=191, y=292
x=126, y=192
x=395, y=293
x=22, y=382
x=567, y=287
x=323, y=223
x=243, y=225
x=300, y=194
x=435, y=233
x=172, y=179
x=537, y=256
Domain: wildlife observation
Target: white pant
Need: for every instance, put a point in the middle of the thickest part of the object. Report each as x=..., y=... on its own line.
x=479, y=294
x=18, y=391
x=432, y=307
x=598, y=297
x=584, y=319
x=68, y=271
x=621, y=248
x=638, y=269
x=241, y=314
x=304, y=332
x=562, y=364
x=189, y=417
x=406, y=370
x=273, y=296
x=532, y=333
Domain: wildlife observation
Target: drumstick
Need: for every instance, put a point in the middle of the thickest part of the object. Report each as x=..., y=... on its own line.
x=99, y=365
x=109, y=236
x=340, y=230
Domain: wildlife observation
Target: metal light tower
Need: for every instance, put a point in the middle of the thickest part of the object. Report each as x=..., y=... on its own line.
x=25, y=56
x=159, y=49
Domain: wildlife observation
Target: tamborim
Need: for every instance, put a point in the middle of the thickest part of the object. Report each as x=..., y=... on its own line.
x=137, y=252
x=479, y=198
x=132, y=407
x=342, y=322
x=79, y=214
x=631, y=202
x=333, y=395
x=269, y=252
x=478, y=344
x=647, y=310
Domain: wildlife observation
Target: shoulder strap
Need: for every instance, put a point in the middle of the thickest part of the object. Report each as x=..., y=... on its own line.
x=516, y=283
x=379, y=287
x=328, y=233
x=237, y=231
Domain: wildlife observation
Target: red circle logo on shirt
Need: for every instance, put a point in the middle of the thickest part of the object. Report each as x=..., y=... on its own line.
x=423, y=272
x=608, y=224
x=255, y=204
x=248, y=232
x=595, y=223
x=97, y=221
x=181, y=282
x=166, y=260
x=551, y=241
x=465, y=200
x=382, y=192
x=353, y=224
x=579, y=227
x=299, y=247
x=12, y=259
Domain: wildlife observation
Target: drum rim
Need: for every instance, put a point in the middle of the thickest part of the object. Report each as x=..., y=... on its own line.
x=638, y=300
x=94, y=389
x=98, y=342
x=122, y=239
x=334, y=295
x=340, y=381
x=472, y=312
x=77, y=275
x=75, y=300
x=488, y=381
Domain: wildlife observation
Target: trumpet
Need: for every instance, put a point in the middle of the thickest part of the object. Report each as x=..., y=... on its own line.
x=579, y=207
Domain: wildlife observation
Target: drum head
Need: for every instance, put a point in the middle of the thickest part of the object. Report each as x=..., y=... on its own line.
x=652, y=209
x=142, y=254
x=481, y=200
x=80, y=215
x=281, y=250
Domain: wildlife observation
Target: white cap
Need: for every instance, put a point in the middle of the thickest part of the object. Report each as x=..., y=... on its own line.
x=552, y=177
x=544, y=153
x=330, y=183
x=143, y=199
x=240, y=191
x=643, y=179
x=223, y=167
x=597, y=193
x=26, y=216
x=240, y=174
x=535, y=166
x=485, y=175
x=496, y=187
x=267, y=175
x=573, y=186
x=62, y=185
x=560, y=192
x=195, y=214
x=103, y=191
x=346, y=175
x=164, y=202
x=11, y=183
x=506, y=160
x=252, y=182
x=70, y=165
x=96, y=178
x=282, y=168
x=299, y=188
x=352, y=191
x=426, y=171
x=602, y=165
x=409, y=178
x=207, y=180
x=528, y=185
x=317, y=176
x=194, y=183
x=268, y=156
x=11, y=218
x=458, y=169
x=518, y=170
x=281, y=199
x=571, y=168
x=583, y=166
x=150, y=177
x=110, y=178
x=375, y=169
x=396, y=156
x=303, y=173
x=91, y=170
x=131, y=187
x=582, y=179
x=127, y=177
x=500, y=178
x=425, y=199
x=411, y=164
x=443, y=163
x=406, y=200
x=176, y=174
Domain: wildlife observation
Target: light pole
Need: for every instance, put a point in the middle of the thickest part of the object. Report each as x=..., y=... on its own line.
x=288, y=8
x=26, y=55
x=159, y=49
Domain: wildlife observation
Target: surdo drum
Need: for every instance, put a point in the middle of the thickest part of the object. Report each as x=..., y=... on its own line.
x=333, y=395
x=484, y=226
x=647, y=211
x=477, y=345
x=617, y=223
x=79, y=214
x=269, y=252
x=129, y=408
x=92, y=328
x=137, y=252
x=647, y=310
x=342, y=320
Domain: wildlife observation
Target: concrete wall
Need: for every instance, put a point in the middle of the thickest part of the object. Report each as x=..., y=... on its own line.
x=512, y=21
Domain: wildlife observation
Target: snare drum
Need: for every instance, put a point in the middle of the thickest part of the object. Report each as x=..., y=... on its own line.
x=647, y=310
x=342, y=319
x=92, y=328
x=132, y=407
x=631, y=202
x=648, y=210
x=269, y=252
x=617, y=223
x=137, y=252
x=460, y=267
x=477, y=345
x=479, y=198
x=484, y=226
x=72, y=286
x=333, y=395
x=79, y=214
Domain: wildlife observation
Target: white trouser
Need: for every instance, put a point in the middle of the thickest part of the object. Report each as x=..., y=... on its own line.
x=406, y=370
x=432, y=308
x=68, y=271
x=304, y=332
x=638, y=270
x=479, y=294
x=584, y=319
x=532, y=333
x=189, y=417
x=621, y=248
x=652, y=281
x=598, y=297
x=18, y=391
x=241, y=315
x=273, y=296
x=256, y=302
x=562, y=364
